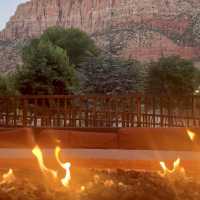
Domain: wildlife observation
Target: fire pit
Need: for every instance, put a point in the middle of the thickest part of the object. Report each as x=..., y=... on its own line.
x=45, y=173
x=102, y=185
x=68, y=183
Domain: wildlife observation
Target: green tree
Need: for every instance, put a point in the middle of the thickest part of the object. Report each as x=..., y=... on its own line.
x=46, y=69
x=7, y=85
x=108, y=75
x=3, y=85
x=172, y=77
x=49, y=61
x=76, y=42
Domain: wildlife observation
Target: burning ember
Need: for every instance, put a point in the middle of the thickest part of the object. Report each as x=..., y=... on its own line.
x=8, y=177
x=111, y=185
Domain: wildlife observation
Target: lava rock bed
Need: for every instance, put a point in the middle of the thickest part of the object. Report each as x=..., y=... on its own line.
x=104, y=185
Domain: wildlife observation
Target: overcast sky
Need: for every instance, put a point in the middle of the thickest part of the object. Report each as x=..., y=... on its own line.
x=7, y=9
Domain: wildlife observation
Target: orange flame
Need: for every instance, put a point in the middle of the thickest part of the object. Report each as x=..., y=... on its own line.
x=82, y=188
x=191, y=135
x=8, y=177
x=38, y=154
x=65, y=181
x=176, y=168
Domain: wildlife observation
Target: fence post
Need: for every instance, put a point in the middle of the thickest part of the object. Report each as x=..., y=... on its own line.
x=193, y=110
x=24, y=112
x=86, y=113
x=7, y=112
x=161, y=111
x=138, y=104
x=154, y=110
x=170, y=119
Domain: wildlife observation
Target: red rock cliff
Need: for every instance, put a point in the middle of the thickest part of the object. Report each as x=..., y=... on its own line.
x=141, y=29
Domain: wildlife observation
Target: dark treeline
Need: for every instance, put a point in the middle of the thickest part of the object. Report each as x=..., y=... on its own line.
x=67, y=61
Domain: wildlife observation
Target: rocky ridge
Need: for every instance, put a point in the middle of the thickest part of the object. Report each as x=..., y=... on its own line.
x=9, y=56
x=143, y=30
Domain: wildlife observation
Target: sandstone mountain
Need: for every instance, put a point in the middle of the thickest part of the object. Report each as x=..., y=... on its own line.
x=140, y=29
x=9, y=55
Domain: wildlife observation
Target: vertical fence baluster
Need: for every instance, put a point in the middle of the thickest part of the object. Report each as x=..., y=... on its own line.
x=138, y=103
x=24, y=109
